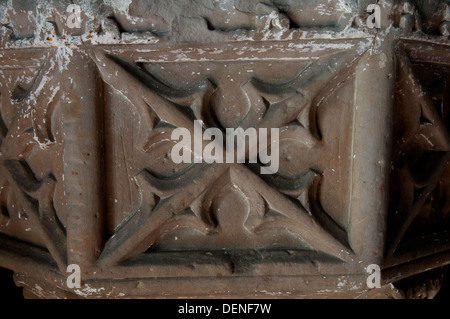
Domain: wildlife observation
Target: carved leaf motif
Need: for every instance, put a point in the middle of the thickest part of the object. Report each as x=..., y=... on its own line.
x=232, y=220
x=36, y=198
x=294, y=142
x=230, y=106
x=158, y=160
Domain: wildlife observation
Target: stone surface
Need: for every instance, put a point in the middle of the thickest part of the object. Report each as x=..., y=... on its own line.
x=87, y=178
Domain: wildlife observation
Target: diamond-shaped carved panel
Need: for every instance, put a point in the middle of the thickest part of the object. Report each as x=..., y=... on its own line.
x=156, y=205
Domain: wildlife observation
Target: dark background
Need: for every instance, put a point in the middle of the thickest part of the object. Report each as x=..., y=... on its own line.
x=444, y=293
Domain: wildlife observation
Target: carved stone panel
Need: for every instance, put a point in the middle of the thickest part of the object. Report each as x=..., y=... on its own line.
x=355, y=118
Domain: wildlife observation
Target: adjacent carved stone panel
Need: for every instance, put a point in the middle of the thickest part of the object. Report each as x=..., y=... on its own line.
x=31, y=155
x=419, y=201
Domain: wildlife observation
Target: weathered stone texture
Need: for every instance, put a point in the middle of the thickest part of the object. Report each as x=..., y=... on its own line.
x=87, y=113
